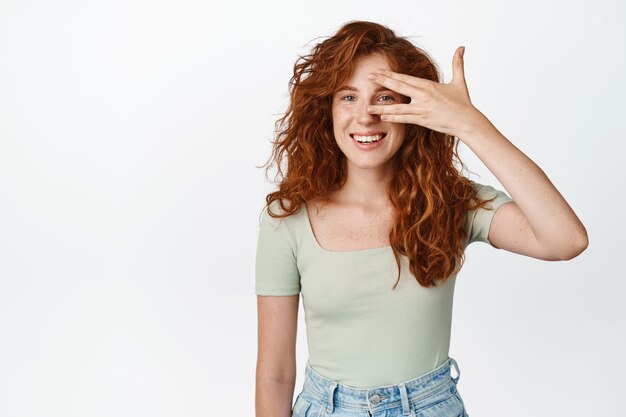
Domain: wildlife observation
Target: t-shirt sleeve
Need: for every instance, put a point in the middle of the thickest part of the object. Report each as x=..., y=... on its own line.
x=276, y=271
x=478, y=221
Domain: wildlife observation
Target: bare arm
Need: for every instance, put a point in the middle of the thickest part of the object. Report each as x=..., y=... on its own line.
x=276, y=355
x=539, y=222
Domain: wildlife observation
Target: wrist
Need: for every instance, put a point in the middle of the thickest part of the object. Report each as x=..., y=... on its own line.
x=477, y=125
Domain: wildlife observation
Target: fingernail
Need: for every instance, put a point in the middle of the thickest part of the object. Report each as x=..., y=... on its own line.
x=462, y=51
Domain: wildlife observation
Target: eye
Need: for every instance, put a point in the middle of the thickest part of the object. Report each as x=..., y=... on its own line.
x=350, y=95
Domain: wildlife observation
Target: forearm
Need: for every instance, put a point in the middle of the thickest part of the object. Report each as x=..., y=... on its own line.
x=553, y=221
x=273, y=397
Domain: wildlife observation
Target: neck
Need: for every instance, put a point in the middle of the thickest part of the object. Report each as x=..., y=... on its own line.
x=366, y=187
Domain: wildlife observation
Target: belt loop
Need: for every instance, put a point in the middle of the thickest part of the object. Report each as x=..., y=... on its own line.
x=406, y=410
x=458, y=372
x=331, y=396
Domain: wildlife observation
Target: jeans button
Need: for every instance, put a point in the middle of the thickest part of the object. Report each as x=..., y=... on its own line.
x=375, y=399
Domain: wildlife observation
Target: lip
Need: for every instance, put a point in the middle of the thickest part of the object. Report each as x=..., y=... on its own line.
x=372, y=133
x=368, y=146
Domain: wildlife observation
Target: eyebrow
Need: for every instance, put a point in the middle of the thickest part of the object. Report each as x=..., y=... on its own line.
x=350, y=88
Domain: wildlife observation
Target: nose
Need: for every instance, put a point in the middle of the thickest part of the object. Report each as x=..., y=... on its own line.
x=364, y=117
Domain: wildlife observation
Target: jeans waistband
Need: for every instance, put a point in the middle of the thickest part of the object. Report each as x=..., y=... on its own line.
x=376, y=399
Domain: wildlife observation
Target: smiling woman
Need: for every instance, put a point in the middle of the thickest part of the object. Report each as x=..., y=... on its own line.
x=370, y=223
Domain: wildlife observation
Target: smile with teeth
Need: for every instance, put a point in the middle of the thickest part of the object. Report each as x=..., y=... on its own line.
x=368, y=139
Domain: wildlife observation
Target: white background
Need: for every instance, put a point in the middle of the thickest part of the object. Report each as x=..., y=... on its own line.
x=129, y=199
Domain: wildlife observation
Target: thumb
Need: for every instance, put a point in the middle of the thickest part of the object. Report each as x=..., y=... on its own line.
x=458, y=70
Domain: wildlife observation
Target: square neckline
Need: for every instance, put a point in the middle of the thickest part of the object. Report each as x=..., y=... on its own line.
x=344, y=252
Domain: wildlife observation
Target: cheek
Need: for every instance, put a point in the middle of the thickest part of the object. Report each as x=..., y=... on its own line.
x=401, y=135
x=341, y=114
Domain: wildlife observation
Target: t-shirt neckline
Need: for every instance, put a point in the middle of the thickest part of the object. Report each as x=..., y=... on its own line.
x=345, y=252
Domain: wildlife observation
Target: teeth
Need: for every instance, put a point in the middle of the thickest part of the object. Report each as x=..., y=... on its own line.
x=368, y=139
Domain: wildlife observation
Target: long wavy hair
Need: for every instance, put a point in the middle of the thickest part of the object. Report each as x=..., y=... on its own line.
x=429, y=195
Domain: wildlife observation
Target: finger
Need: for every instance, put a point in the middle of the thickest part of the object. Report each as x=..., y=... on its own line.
x=393, y=109
x=394, y=84
x=400, y=118
x=409, y=79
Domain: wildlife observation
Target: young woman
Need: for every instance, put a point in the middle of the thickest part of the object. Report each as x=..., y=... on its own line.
x=370, y=223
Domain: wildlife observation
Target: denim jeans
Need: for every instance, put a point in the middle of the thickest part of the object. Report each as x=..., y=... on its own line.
x=431, y=394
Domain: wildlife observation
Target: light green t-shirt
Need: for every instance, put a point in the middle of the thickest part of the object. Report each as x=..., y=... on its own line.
x=361, y=332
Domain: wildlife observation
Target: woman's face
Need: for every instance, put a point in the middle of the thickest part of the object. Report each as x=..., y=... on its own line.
x=351, y=119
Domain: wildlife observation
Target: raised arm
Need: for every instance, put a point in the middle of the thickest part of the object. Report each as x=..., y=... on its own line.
x=539, y=222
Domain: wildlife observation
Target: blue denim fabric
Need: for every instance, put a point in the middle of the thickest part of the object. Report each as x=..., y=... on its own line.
x=429, y=395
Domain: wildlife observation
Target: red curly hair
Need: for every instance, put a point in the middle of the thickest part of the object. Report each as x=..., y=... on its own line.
x=429, y=195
